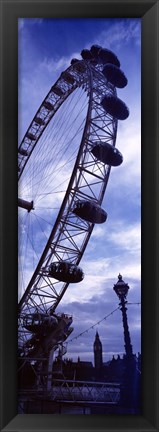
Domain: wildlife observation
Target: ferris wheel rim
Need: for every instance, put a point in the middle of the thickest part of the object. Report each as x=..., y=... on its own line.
x=66, y=195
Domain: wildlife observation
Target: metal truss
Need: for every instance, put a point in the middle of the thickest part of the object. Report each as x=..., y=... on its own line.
x=75, y=392
x=70, y=234
x=58, y=93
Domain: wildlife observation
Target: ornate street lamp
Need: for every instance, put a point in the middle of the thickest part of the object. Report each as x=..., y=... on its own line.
x=128, y=391
x=121, y=288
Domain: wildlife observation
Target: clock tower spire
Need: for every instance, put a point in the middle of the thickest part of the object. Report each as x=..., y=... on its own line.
x=98, y=358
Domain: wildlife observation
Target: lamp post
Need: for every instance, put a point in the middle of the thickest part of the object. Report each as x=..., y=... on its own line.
x=127, y=391
x=121, y=289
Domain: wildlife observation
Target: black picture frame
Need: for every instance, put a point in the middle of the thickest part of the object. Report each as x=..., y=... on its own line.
x=149, y=13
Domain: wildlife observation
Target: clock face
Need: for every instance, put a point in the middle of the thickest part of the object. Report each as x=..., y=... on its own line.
x=97, y=348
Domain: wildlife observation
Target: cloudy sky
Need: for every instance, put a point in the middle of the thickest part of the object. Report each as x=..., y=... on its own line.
x=46, y=47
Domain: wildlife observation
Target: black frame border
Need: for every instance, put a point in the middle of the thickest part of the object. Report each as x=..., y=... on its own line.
x=149, y=13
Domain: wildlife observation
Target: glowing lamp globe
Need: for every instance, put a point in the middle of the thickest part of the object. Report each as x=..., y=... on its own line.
x=121, y=288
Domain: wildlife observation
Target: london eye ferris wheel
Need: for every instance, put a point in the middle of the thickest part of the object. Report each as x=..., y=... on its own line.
x=64, y=164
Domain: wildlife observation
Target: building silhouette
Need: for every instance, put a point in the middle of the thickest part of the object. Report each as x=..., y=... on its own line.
x=110, y=371
x=114, y=371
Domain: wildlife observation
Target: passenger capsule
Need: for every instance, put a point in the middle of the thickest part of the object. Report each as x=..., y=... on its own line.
x=95, y=50
x=107, y=153
x=86, y=54
x=31, y=136
x=107, y=56
x=115, y=107
x=90, y=211
x=115, y=75
x=38, y=323
x=48, y=105
x=66, y=272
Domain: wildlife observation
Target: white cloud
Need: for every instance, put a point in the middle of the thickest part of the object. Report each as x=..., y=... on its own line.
x=98, y=232
x=120, y=33
x=127, y=237
x=57, y=64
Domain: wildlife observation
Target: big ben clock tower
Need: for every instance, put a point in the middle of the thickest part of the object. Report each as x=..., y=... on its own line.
x=98, y=359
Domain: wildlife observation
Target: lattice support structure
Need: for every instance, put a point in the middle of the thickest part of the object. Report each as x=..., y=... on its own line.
x=70, y=234
x=74, y=392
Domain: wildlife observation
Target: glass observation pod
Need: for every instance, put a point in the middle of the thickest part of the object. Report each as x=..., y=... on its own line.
x=115, y=107
x=115, y=75
x=107, y=153
x=107, y=56
x=95, y=50
x=86, y=54
x=37, y=322
x=90, y=211
x=66, y=272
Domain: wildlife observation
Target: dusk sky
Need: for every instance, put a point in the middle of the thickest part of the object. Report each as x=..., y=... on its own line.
x=46, y=47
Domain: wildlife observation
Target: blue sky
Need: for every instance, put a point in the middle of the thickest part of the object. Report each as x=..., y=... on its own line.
x=46, y=47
